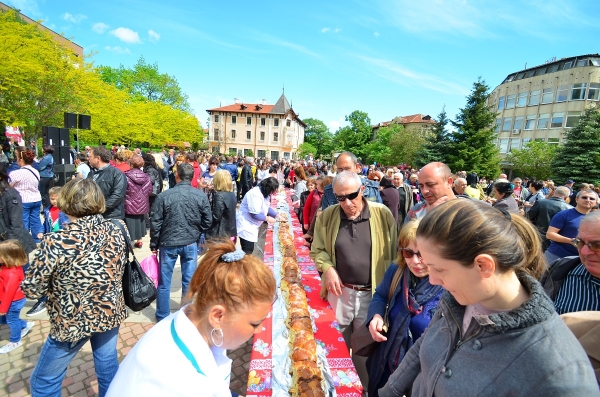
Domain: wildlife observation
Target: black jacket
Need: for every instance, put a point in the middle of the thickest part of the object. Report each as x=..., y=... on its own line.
x=113, y=184
x=246, y=179
x=178, y=217
x=542, y=212
x=11, y=211
x=553, y=279
x=223, y=216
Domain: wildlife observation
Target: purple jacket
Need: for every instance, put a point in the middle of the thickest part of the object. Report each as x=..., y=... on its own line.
x=139, y=187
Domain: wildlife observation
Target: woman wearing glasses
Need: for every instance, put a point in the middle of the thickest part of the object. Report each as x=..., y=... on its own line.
x=495, y=332
x=409, y=312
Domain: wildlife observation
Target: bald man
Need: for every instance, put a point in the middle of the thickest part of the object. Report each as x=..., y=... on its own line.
x=435, y=185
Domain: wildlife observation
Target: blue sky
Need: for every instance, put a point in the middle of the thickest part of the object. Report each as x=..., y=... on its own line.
x=384, y=57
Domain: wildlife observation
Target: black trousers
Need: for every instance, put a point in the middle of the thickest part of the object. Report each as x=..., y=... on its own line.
x=45, y=185
x=238, y=190
x=247, y=246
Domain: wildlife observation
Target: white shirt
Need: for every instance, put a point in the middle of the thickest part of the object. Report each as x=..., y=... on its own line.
x=156, y=366
x=84, y=169
x=253, y=203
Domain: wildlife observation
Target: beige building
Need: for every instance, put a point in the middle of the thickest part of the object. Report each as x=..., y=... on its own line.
x=272, y=131
x=542, y=102
x=417, y=123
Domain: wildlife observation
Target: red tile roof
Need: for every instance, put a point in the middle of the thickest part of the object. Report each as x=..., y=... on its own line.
x=413, y=118
x=249, y=108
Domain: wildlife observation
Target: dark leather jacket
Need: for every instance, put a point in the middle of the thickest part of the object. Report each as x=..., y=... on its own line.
x=113, y=184
x=223, y=216
x=11, y=211
x=178, y=216
x=246, y=179
x=543, y=210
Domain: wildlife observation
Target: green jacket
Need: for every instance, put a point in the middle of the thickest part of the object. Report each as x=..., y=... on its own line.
x=383, y=240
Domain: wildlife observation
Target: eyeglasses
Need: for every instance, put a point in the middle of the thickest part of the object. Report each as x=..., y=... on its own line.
x=376, y=179
x=350, y=196
x=593, y=246
x=407, y=253
x=590, y=198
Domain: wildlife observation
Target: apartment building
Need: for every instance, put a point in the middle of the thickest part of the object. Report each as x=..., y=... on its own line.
x=272, y=131
x=543, y=102
x=418, y=123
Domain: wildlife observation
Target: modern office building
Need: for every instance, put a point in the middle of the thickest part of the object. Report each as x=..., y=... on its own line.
x=272, y=131
x=542, y=102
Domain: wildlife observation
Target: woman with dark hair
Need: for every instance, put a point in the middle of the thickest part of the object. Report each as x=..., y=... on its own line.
x=45, y=168
x=535, y=194
x=151, y=169
x=503, y=199
x=254, y=210
x=26, y=180
x=300, y=185
x=495, y=331
x=389, y=195
x=137, y=203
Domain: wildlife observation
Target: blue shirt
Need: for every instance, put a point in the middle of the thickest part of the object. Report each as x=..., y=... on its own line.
x=580, y=292
x=567, y=223
x=45, y=166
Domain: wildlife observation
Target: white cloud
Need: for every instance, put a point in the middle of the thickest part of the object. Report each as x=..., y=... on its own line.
x=117, y=50
x=337, y=30
x=376, y=34
x=325, y=30
x=100, y=27
x=73, y=18
x=127, y=35
x=154, y=37
x=335, y=125
x=282, y=43
x=27, y=7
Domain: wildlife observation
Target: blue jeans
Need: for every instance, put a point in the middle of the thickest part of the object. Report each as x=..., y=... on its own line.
x=50, y=370
x=188, y=255
x=31, y=219
x=13, y=320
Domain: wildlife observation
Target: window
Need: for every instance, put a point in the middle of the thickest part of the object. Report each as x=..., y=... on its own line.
x=572, y=119
x=595, y=61
x=547, y=95
x=534, y=98
x=514, y=144
x=232, y=134
x=248, y=120
x=501, y=102
x=522, y=101
x=233, y=119
x=262, y=135
x=216, y=118
x=520, y=76
x=557, y=119
x=288, y=123
x=275, y=136
x=261, y=153
x=553, y=68
x=540, y=139
x=594, y=92
x=518, y=123
x=582, y=62
x=562, y=93
x=216, y=134
x=567, y=65
x=543, y=120
x=498, y=122
x=578, y=91
x=553, y=141
x=276, y=123
x=525, y=142
x=232, y=151
x=247, y=152
x=248, y=134
x=530, y=122
x=510, y=101
x=286, y=155
x=530, y=73
x=503, y=145
x=507, y=124
x=263, y=121
x=274, y=155
x=540, y=72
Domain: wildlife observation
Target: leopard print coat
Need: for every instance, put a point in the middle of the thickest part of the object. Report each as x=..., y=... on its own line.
x=80, y=268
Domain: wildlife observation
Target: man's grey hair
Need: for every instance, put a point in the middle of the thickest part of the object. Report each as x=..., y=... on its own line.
x=400, y=175
x=562, y=191
x=463, y=180
x=345, y=177
x=349, y=154
x=250, y=159
x=185, y=171
x=585, y=191
x=593, y=217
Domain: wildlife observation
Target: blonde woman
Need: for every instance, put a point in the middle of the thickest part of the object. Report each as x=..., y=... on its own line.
x=223, y=208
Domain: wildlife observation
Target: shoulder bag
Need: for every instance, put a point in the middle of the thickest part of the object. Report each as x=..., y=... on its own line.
x=362, y=342
x=138, y=289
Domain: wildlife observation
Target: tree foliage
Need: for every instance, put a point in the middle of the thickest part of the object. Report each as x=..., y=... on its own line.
x=579, y=157
x=395, y=145
x=318, y=135
x=472, y=147
x=436, y=144
x=534, y=160
x=306, y=148
x=354, y=138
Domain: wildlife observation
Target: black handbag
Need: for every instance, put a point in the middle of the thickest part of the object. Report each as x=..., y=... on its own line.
x=138, y=289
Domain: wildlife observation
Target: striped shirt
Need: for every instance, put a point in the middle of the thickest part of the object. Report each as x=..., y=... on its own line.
x=580, y=292
x=26, y=181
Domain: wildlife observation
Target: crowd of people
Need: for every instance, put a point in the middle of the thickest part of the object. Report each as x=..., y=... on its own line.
x=467, y=287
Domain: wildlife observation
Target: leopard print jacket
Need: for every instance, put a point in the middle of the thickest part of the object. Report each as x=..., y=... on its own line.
x=80, y=269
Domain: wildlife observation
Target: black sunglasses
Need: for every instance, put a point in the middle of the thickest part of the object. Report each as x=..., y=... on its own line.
x=350, y=196
x=407, y=253
x=593, y=246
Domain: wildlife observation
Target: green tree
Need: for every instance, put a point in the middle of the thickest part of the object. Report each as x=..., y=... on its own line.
x=354, y=138
x=534, y=160
x=472, y=145
x=395, y=145
x=436, y=144
x=306, y=148
x=318, y=135
x=144, y=82
x=579, y=157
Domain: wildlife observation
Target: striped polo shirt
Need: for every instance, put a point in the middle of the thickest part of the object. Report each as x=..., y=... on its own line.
x=580, y=292
x=26, y=181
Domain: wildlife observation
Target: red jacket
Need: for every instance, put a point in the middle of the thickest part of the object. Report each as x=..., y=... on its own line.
x=197, y=172
x=10, y=286
x=311, y=206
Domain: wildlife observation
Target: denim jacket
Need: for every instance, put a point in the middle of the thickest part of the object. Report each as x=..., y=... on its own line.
x=371, y=193
x=45, y=166
x=63, y=219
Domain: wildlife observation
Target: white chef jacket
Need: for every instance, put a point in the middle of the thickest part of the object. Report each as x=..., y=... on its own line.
x=254, y=202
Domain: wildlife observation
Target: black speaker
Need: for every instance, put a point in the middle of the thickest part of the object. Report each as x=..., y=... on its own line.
x=64, y=137
x=85, y=121
x=70, y=120
x=51, y=136
x=63, y=173
x=61, y=155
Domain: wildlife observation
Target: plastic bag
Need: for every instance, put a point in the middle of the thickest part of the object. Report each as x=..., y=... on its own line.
x=150, y=267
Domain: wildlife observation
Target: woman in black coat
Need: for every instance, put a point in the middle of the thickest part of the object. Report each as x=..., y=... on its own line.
x=389, y=195
x=11, y=214
x=151, y=169
x=223, y=207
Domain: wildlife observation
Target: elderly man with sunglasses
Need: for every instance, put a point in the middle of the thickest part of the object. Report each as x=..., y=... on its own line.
x=353, y=245
x=573, y=283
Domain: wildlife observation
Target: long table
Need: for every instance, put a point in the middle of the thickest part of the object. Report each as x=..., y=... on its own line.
x=328, y=335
